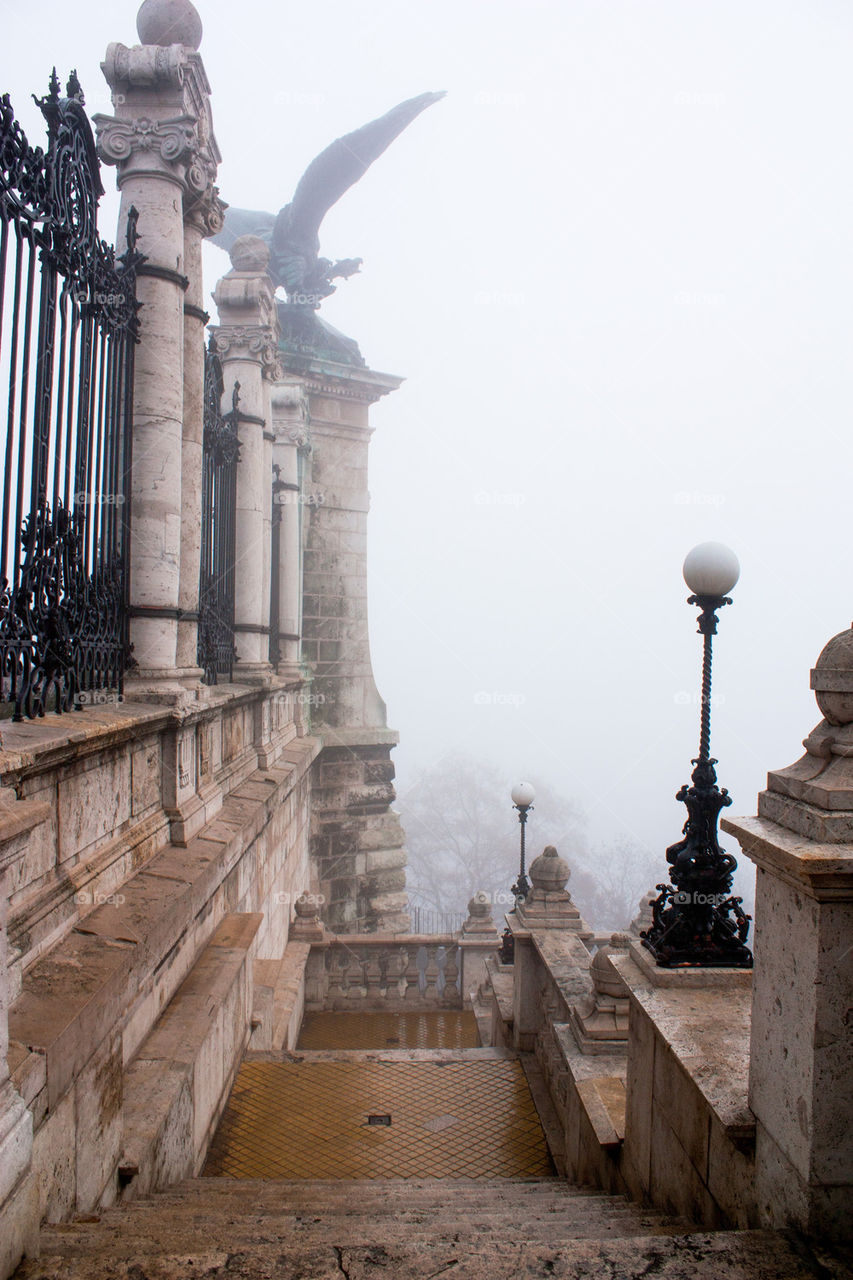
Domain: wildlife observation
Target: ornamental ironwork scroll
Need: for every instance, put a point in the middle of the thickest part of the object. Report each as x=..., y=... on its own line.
x=220, y=453
x=68, y=327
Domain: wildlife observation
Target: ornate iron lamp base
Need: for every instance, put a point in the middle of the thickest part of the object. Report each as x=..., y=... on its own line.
x=696, y=921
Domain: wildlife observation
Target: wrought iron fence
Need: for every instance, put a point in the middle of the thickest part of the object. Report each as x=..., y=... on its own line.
x=221, y=450
x=429, y=920
x=68, y=325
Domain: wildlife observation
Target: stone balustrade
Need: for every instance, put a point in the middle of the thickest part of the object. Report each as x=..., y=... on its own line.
x=397, y=973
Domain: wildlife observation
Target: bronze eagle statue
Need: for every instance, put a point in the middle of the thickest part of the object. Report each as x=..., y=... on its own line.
x=293, y=234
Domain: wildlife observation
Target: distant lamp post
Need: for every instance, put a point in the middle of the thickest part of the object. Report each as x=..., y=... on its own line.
x=523, y=796
x=695, y=919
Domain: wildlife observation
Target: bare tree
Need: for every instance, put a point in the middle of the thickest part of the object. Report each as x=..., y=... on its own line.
x=462, y=835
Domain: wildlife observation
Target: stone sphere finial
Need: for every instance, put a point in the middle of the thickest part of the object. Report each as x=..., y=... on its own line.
x=306, y=907
x=480, y=906
x=249, y=253
x=549, y=871
x=832, y=679
x=165, y=22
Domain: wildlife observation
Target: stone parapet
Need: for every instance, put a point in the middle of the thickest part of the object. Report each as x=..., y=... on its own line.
x=689, y=1131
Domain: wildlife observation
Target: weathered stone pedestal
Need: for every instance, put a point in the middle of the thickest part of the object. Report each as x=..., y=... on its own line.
x=801, y=1056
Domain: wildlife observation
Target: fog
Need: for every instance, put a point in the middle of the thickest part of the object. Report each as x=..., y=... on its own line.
x=613, y=265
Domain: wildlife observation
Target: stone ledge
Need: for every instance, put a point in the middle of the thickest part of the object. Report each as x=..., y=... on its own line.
x=707, y=1031
x=175, y=1088
x=567, y=960
x=704, y=977
x=279, y=998
x=604, y=1101
x=823, y=871
x=34, y=746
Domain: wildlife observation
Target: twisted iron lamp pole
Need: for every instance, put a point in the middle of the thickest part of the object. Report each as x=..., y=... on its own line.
x=523, y=796
x=696, y=921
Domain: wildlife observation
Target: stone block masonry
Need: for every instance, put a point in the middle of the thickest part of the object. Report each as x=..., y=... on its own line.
x=357, y=842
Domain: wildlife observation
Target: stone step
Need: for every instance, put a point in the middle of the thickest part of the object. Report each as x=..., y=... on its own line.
x=375, y=1191
x=745, y=1255
x=196, y=1229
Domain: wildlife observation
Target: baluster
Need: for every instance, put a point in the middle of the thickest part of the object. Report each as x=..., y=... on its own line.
x=411, y=973
x=398, y=983
x=374, y=976
x=431, y=972
x=450, y=994
x=337, y=977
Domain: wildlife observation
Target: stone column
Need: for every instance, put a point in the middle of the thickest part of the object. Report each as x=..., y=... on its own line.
x=246, y=341
x=203, y=219
x=161, y=141
x=291, y=445
x=801, y=1047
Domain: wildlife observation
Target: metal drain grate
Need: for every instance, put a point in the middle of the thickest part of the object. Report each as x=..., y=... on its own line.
x=378, y=1119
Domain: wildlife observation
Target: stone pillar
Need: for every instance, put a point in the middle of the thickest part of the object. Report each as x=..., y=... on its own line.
x=203, y=219
x=801, y=1048
x=162, y=143
x=246, y=342
x=291, y=444
x=548, y=909
x=479, y=940
x=549, y=904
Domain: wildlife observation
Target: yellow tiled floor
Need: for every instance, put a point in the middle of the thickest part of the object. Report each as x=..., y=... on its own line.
x=432, y=1030
x=457, y=1119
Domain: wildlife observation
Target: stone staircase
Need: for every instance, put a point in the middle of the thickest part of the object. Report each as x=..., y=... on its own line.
x=242, y=1229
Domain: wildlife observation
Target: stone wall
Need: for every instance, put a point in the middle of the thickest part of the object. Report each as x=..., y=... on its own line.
x=112, y=923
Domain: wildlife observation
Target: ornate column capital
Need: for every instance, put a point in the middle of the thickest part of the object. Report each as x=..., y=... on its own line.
x=166, y=144
x=249, y=342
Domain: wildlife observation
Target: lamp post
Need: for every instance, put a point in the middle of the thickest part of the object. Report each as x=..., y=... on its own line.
x=523, y=796
x=695, y=919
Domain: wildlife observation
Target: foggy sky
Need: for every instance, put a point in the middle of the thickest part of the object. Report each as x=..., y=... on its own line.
x=613, y=266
